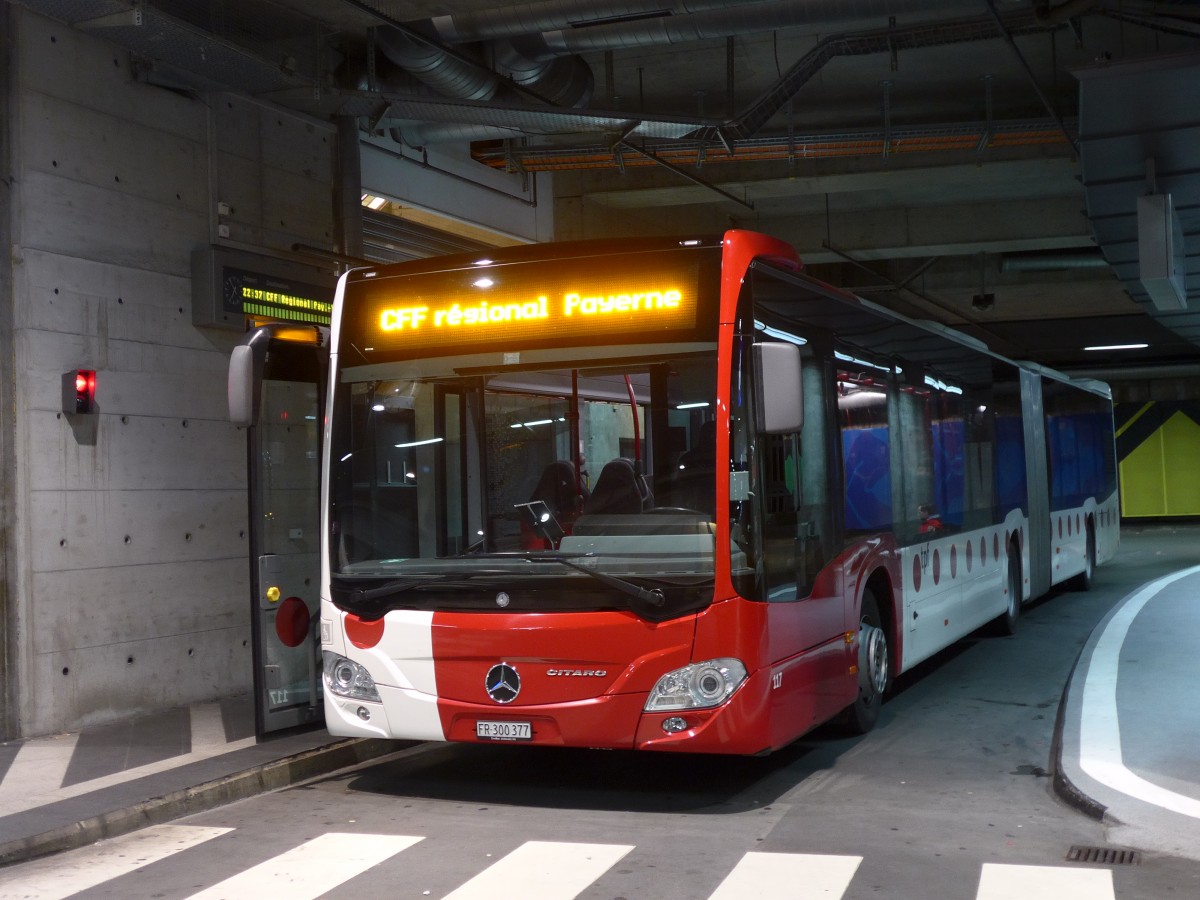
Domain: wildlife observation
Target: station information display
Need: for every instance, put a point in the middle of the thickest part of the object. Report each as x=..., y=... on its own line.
x=229, y=286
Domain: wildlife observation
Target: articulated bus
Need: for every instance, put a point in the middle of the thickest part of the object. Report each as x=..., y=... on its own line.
x=675, y=495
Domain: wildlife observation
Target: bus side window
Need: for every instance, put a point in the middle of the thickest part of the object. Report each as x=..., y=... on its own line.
x=866, y=451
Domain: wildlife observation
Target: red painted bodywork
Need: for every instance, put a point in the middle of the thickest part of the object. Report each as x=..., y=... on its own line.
x=800, y=655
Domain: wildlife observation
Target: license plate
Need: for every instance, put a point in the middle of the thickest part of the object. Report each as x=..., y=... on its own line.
x=504, y=731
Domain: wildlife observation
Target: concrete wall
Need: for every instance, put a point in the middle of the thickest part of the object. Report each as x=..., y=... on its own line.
x=8, y=644
x=124, y=533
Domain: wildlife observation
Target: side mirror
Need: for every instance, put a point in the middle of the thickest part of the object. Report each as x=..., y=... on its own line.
x=240, y=387
x=781, y=401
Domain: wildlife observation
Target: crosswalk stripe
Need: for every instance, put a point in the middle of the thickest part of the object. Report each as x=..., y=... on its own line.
x=1002, y=882
x=312, y=869
x=794, y=876
x=543, y=870
x=49, y=879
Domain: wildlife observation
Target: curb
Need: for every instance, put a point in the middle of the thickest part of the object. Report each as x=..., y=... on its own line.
x=1064, y=788
x=260, y=779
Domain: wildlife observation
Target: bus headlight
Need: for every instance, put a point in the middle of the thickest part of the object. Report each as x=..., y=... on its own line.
x=698, y=686
x=346, y=678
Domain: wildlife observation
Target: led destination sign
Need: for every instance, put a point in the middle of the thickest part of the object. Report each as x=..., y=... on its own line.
x=486, y=313
x=526, y=305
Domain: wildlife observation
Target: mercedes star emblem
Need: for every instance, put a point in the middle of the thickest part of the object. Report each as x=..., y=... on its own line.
x=502, y=683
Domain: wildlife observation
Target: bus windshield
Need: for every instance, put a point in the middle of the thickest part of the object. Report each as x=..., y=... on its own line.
x=445, y=470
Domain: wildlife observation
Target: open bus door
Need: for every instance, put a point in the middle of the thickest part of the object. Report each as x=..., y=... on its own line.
x=276, y=390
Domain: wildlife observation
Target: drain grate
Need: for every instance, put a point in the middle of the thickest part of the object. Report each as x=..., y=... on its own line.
x=1104, y=855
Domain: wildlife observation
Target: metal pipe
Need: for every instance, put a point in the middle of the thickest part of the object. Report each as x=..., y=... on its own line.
x=1053, y=262
x=1037, y=88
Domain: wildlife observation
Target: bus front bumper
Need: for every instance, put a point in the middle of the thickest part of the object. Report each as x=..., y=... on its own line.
x=740, y=726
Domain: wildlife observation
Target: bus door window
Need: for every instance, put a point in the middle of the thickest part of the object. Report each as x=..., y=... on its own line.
x=795, y=492
x=378, y=510
x=525, y=435
x=458, y=520
x=862, y=402
x=611, y=430
x=1008, y=427
x=783, y=522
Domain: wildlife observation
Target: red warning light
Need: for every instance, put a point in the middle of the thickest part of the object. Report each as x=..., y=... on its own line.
x=79, y=391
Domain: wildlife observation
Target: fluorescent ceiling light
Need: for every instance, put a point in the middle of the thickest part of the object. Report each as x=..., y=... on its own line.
x=436, y=440
x=1119, y=347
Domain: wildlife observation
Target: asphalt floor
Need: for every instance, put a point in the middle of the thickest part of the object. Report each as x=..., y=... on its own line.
x=1124, y=752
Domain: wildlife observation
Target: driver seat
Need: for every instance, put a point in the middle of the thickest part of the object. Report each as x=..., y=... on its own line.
x=619, y=490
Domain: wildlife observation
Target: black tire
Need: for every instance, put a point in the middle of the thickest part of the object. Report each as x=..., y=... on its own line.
x=1083, y=581
x=874, y=667
x=1009, y=620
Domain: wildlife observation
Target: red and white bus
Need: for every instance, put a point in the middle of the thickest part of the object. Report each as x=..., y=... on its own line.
x=674, y=495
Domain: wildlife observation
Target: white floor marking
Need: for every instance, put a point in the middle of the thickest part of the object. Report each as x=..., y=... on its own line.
x=788, y=876
x=999, y=882
x=53, y=877
x=38, y=768
x=542, y=870
x=35, y=776
x=1100, y=730
x=312, y=869
x=208, y=726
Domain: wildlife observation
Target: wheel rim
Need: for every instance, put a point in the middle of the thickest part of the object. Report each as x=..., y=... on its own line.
x=872, y=657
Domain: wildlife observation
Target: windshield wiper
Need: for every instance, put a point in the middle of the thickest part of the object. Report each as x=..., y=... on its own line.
x=359, y=596
x=653, y=596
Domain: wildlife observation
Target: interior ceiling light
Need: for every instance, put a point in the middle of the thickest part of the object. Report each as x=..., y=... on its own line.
x=1119, y=347
x=370, y=201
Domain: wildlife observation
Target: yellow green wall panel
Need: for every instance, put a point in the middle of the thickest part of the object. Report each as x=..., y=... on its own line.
x=1158, y=448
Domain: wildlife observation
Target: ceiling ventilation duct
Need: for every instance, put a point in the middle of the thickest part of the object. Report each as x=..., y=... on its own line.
x=557, y=80
x=576, y=26
x=561, y=80
x=1138, y=137
x=446, y=74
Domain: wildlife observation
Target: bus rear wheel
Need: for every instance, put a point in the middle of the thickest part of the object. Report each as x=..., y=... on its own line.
x=874, y=667
x=1083, y=581
x=1008, y=621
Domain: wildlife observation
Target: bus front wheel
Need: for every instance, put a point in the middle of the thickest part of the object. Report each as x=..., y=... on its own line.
x=874, y=667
